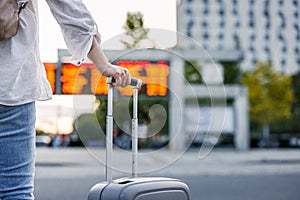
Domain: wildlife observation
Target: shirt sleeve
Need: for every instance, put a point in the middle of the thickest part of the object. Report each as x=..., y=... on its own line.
x=77, y=25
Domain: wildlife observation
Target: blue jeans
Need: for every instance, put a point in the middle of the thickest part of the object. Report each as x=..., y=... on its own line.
x=17, y=151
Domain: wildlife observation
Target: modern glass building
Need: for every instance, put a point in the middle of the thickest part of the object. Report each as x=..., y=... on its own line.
x=265, y=30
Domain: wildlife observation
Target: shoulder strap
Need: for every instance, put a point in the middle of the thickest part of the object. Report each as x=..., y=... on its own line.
x=23, y=5
x=9, y=19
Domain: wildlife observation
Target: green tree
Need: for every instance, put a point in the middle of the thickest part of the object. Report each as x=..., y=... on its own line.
x=296, y=103
x=232, y=72
x=136, y=35
x=192, y=72
x=292, y=125
x=270, y=96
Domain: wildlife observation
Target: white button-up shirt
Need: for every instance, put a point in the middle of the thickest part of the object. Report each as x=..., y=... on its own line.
x=22, y=74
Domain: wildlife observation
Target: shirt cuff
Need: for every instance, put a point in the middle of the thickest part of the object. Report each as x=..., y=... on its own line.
x=77, y=58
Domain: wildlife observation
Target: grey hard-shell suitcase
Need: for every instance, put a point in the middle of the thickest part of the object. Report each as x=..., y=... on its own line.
x=134, y=188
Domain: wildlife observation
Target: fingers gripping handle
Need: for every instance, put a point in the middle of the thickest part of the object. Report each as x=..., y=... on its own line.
x=135, y=82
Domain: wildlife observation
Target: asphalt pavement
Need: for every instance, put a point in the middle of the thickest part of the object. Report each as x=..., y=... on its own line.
x=227, y=174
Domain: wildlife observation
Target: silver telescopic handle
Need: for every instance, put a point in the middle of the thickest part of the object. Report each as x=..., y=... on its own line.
x=109, y=134
x=136, y=84
x=135, y=132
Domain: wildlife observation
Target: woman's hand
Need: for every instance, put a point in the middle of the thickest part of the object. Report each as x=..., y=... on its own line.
x=121, y=75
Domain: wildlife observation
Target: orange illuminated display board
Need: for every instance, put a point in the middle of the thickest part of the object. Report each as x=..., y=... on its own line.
x=75, y=80
x=153, y=74
x=86, y=79
x=51, y=74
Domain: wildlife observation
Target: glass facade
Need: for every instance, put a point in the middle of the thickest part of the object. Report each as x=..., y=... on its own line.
x=264, y=30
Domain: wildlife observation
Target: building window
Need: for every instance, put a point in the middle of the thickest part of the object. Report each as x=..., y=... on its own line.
x=281, y=35
x=189, y=14
x=237, y=23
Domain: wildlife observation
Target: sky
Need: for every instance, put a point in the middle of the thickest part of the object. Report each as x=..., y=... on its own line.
x=110, y=17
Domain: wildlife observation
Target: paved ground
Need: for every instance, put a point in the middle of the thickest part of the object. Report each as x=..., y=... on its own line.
x=68, y=173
